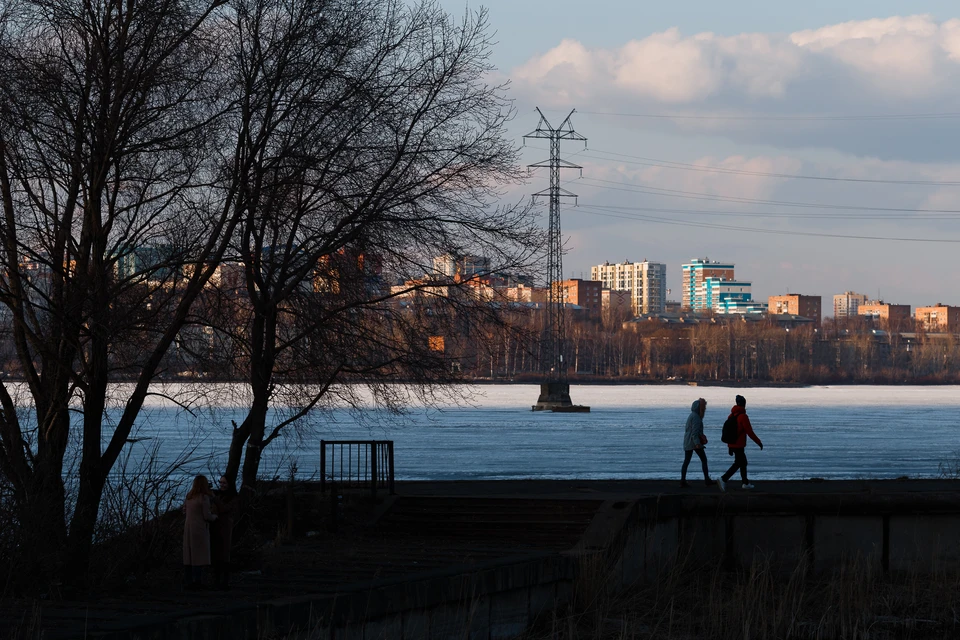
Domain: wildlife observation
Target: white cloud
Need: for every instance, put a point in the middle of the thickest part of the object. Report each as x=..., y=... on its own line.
x=668, y=67
x=569, y=69
x=672, y=68
x=905, y=64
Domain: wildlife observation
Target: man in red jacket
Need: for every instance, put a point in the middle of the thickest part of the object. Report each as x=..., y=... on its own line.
x=736, y=449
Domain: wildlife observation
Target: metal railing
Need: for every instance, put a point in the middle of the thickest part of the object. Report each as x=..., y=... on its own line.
x=357, y=463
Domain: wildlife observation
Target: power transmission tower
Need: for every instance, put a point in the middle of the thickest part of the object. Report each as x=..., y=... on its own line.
x=556, y=392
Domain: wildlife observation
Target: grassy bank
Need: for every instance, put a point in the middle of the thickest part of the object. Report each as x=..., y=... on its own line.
x=855, y=602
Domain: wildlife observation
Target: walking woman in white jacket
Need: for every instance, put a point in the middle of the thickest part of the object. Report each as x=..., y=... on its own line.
x=693, y=441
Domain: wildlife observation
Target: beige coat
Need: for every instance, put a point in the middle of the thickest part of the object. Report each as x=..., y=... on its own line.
x=196, y=531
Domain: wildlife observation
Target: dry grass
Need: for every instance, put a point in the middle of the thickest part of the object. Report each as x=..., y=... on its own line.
x=855, y=602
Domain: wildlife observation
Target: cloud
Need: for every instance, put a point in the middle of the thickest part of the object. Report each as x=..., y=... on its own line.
x=905, y=65
x=667, y=67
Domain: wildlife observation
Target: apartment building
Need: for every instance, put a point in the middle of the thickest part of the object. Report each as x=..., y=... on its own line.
x=646, y=281
x=614, y=301
x=584, y=293
x=887, y=315
x=727, y=297
x=796, y=304
x=695, y=274
x=525, y=293
x=939, y=318
x=846, y=304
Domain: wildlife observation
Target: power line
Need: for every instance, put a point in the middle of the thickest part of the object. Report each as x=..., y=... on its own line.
x=686, y=166
x=604, y=211
x=790, y=117
x=781, y=215
x=943, y=214
x=699, y=195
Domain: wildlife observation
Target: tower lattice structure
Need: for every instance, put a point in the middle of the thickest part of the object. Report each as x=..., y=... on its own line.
x=551, y=357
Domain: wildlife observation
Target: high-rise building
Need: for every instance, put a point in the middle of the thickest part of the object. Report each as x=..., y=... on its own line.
x=651, y=295
x=616, y=277
x=695, y=274
x=846, y=305
x=646, y=281
x=797, y=305
x=939, y=318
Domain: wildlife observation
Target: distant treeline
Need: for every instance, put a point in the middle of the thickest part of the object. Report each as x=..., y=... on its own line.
x=739, y=352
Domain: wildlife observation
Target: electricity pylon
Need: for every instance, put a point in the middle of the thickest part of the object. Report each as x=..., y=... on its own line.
x=556, y=392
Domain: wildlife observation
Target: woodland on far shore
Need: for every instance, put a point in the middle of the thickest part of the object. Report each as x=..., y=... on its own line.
x=737, y=351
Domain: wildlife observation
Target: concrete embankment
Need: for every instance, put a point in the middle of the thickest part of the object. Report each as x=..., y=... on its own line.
x=552, y=530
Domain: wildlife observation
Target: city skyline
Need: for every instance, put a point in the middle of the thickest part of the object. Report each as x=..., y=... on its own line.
x=786, y=140
x=677, y=292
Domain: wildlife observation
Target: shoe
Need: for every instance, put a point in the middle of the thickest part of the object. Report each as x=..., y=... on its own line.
x=684, y=484
x=721, y=484
x=709, y=483
x=747, y=486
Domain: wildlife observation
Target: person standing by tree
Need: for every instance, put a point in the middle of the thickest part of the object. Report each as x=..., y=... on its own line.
x=736, y=448
x=693, y=441
x=196, y=532
x=221, y=532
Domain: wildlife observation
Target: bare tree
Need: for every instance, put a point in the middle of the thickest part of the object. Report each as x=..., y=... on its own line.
x=373, y=143
x=108, y=116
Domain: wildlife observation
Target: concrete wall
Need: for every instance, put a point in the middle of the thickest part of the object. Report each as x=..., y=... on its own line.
x=910, y=533
x=639, y=541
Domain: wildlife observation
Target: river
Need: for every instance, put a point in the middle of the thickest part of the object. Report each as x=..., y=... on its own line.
x=631, y=432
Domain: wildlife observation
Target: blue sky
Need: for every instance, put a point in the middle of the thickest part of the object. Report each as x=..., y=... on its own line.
x=767, y=91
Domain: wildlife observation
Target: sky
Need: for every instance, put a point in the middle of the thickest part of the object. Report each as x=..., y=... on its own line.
x=813, y=144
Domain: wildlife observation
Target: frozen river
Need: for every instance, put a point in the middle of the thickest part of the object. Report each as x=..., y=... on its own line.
x=632, y=432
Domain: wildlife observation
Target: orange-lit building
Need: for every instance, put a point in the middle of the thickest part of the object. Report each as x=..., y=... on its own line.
x=346, y=267
x=938, y=319
x=584, y=293
x=525, y=293
x=895, y=316
x=795, y=304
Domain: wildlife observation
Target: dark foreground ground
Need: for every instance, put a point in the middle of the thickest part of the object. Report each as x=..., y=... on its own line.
x=616, y=489
x=428, y=527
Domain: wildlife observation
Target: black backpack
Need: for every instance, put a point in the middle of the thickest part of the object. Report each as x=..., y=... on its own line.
x=729, y=433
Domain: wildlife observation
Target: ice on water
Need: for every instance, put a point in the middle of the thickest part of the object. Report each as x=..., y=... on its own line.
x=633, y=431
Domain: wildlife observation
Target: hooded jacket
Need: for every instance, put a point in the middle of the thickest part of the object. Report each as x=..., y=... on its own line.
x=694, y=428
x=744, y=429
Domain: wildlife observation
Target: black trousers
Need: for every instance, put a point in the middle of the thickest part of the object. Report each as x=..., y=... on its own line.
x=739, y=462
x=192, y=575
x=221, y=574
x=686, y=463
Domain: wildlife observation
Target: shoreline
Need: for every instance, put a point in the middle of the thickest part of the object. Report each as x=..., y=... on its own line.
x=574, y=380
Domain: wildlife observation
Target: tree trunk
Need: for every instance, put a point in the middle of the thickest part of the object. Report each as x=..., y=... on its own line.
x=82, y=527
x=262, y=360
